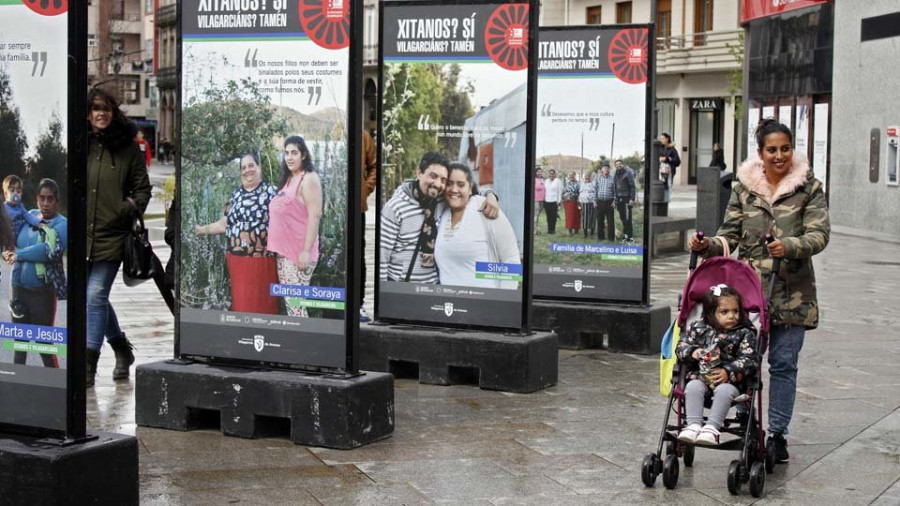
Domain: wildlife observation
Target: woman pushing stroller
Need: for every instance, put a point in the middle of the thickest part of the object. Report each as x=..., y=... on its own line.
x=778, y=195
x=720, y=350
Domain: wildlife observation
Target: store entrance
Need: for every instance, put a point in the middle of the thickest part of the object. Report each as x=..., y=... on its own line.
x=706, y=129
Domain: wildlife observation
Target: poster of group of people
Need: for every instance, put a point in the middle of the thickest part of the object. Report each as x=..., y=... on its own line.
x=590, y=217
x=453, y=150
x=33, y=226
x=263, y=186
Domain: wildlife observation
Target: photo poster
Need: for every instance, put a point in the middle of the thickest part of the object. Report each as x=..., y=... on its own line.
x=455, y=118
x=34, y=141
x=820, y=144
x=592, y=113
x=266, y=182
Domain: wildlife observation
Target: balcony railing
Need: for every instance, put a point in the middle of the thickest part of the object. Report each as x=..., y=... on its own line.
x=166, y=16
x=698, y=52
x=124, y=16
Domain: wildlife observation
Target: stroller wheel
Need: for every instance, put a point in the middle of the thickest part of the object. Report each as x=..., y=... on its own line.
x=649, y=470
x=770, y=456
x=757, y=479
x=735, y=470
x=670, y=471
x=671, y=448
x=688, y=454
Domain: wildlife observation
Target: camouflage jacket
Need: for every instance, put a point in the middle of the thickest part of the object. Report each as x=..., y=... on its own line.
x=734, y=350
x=794, y=212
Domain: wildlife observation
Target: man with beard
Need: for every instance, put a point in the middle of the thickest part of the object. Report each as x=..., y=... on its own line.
x=408, y=223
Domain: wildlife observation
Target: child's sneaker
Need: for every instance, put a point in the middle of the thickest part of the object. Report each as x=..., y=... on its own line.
x=689, y=434
x=709, y=436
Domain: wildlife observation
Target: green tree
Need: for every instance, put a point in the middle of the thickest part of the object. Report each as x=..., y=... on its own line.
x=219, y=125
x=456, y=106
x=412, y=96
x=13, y=142
x=48, y=161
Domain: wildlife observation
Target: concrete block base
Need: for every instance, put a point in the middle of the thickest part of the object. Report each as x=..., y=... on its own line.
x=102, y=471
x=629, y=329
x=327, y=411
x=493, y=361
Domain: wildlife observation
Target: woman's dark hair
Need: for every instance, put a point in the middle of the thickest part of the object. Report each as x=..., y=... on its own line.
x=711, y=303
x=255, y=157
x=121, y=130
x=49, y=183
x=7, y=241
x=667, y=136
x=306, y=164
x=465, y=169
x=771, y=126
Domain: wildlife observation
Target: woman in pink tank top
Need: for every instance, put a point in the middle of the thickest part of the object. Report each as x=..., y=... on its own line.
x=294, y=216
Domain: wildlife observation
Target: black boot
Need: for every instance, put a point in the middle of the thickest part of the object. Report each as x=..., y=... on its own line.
x=93, y=357
x=124, y=357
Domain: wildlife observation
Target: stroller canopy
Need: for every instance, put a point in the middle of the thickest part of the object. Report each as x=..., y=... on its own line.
x=731, y=272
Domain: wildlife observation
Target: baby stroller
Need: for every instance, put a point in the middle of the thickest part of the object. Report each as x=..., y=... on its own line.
x=756, y=460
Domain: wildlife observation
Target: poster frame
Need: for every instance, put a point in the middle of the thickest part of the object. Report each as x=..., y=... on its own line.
x=352, y=230
x=76, y=263
x=530, y=146
x=649, y=112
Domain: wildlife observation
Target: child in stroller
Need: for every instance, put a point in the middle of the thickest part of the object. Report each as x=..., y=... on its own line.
x=719, y=351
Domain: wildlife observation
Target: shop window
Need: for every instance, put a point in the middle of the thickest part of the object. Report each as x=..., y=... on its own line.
x=664, y=24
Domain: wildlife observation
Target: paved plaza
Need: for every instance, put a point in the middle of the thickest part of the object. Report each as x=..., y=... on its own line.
x=578, y=443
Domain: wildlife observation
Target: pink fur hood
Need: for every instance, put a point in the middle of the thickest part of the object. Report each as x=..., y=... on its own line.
x=752, y=174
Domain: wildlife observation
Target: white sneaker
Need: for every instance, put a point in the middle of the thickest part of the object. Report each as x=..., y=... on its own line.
x=689, y=434
x=709, y=436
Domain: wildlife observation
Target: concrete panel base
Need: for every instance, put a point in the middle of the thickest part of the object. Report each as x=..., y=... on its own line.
x=629, y=329
x=332, y=412
x=510, y=363
x=102, y=471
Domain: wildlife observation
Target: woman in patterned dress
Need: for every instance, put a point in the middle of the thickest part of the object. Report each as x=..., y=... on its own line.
x=245, y=223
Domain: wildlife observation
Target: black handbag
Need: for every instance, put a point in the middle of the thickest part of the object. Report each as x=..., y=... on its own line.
x=137, y=257
x=140, y=263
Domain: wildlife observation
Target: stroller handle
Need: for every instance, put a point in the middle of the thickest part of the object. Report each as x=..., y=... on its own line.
x=776, y=266
x=693, y=264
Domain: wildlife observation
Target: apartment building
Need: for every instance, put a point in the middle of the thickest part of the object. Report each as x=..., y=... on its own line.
x=166, y=63
x=120, y=53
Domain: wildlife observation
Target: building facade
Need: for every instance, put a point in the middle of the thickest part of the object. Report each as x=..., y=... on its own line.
x=166, y=62
x=121, y=57
x=865, y=127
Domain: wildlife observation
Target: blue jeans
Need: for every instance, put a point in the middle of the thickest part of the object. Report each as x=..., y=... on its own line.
x=785, y=342
x=101, y=318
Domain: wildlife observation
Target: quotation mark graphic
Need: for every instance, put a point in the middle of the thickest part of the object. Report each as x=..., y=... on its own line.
x=545, y=110
x=511, y=138
x=315, y=91
x=595, y=124
x=248, y=62
x=39, y=57
x=424, y=121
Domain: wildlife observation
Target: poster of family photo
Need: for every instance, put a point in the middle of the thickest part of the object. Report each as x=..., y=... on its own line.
x=264, y=179
x=590, y=180
x=453, y=174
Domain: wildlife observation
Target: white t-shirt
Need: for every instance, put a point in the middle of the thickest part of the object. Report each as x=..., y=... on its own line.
x=458, y=248
x=554, y=190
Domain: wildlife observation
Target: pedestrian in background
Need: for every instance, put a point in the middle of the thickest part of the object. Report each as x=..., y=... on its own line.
x=777, y=194
x=668, y=164
x=587, y=200
x=718, y=157
x=118, y=192
x=539, y=193
x=626, y=193
x=145, y=148
x=570, y=204
x=369, y=180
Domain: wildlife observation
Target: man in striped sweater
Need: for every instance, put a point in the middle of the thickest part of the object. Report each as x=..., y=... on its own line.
x=409, y=227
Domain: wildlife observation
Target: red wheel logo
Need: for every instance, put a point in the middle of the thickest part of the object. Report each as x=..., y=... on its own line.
x=506, y=36
x=628, y=55
x=326, y=22
x=47, y=7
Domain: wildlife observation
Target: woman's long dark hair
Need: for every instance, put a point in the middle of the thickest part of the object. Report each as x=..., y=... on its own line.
x=7, y=241
x=121, y=130
x=306, y=164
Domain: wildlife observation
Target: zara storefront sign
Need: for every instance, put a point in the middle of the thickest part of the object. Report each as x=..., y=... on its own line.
x=706, y=104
